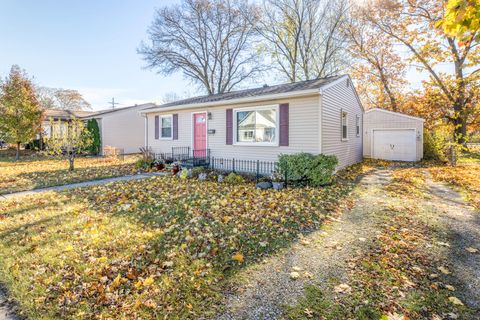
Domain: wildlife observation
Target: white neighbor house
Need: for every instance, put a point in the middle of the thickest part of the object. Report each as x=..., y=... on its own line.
x=122, y=128
x=316, y=116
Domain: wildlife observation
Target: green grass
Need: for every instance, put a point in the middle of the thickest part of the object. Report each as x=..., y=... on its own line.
x=156, y=248
x=39, y=172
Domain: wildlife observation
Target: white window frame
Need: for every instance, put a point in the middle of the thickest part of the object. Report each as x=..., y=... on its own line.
x=257, y=108
x=357, y=125
x=346, y=125
x=160, y=136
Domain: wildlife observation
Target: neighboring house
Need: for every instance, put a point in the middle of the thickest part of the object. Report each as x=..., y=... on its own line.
x=122, y=128
x=316, y=116
x=60, y=117
x=392, y=136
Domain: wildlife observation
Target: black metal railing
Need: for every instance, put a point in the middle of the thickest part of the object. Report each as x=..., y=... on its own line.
x=186, y=156
x=256, y=167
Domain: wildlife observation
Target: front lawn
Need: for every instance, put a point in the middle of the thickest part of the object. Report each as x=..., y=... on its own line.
x=33, y=173
x=155, y=248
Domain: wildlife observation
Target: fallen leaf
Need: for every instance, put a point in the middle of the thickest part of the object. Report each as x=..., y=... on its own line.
x=449, y=287
x=455, y=301
x=343, y=288
x=444, y=270
x=149, y=281
x=238, y=257
x=471, y=250
x=294, y=275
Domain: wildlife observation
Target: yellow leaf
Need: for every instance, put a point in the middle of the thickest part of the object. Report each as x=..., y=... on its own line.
x=238, y=257
x=102, y=259
x=455, y=301
x=149, y=281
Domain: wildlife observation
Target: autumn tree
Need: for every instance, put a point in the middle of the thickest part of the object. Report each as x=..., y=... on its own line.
x=377, y=67
x=303, y=38
x=210, y=41
x=462, y=17
x=63, y=99
x=68, y=138
x=20, y=112
x=414, y=25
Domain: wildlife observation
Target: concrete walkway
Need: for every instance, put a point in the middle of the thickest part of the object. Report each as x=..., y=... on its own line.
x=83, y=184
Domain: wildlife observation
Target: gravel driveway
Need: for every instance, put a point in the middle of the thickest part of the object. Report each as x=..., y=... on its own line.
x=323, y=256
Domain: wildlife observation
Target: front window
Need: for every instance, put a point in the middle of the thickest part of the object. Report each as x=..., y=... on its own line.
x=344, y=126
x=166, y=127
x=256, y=125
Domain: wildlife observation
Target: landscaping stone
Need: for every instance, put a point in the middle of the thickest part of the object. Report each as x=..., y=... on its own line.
x=264, y=185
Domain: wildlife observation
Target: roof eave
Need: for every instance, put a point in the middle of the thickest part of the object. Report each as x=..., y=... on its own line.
x=275, y=96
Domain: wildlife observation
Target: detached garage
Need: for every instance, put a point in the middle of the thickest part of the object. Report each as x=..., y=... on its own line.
x=392, y=136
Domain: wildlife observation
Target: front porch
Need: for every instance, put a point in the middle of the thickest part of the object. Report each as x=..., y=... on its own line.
x=185, y=156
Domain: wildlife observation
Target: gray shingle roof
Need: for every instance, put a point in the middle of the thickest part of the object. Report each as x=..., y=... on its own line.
x=266, y=90
x=107, y=111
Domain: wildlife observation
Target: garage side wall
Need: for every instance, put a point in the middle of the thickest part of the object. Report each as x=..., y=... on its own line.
x=334, y=100
x=124, y=129
x=377, y=119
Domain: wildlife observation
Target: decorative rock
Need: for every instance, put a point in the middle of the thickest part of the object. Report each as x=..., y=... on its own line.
x=202, y=176
x=220, y=178
x=264, y=185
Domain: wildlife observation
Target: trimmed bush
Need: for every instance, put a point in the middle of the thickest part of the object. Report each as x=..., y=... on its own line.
x=234, y=178
x=316, y=169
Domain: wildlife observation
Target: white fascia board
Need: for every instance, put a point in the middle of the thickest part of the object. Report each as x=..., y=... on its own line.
x=396, y=113
x=275, y=96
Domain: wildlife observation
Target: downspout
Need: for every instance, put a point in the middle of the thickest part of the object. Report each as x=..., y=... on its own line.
x=320, y=119
x=146, y=130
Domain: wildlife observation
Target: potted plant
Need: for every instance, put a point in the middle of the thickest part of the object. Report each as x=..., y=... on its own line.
x=175, y=168
x=277, y=181
x=159, y=164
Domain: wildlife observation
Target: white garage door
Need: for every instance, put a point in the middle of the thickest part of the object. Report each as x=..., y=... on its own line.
x=394, y=145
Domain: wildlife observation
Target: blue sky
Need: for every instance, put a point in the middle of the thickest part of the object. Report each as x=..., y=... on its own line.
x=89, y=46
x=85, y=45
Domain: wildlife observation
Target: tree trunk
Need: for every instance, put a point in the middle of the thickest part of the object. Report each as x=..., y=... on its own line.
x=17, y=155
x=71, y=159
x=460, y=131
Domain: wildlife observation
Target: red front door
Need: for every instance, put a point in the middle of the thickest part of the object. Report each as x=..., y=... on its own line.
x=200, y=134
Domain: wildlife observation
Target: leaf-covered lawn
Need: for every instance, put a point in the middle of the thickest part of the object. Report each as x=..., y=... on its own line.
x=465, y=176
x=156, y=248
x=44, y=172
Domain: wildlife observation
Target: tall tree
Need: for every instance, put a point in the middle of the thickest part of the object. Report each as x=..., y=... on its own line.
x=377, y=67
x=20, y=112
x=462, y=17
x=303, y=37
x=64, y=99
x=414, y=24
x=210, y=41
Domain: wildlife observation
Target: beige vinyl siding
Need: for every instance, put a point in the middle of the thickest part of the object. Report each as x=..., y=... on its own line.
x=334, y=100
x=124, y=129
x=377, y=119
x=303, y=131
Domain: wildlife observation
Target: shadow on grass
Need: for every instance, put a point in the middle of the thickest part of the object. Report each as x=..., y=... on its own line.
x=208, y=233
x=44, y=179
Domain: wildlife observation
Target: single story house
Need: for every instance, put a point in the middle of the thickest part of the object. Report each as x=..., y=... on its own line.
x=61, y=117
x=315, y=116
x=122, y=128
x=392, y=136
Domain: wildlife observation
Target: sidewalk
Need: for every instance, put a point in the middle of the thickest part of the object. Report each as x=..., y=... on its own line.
x=81, y=184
